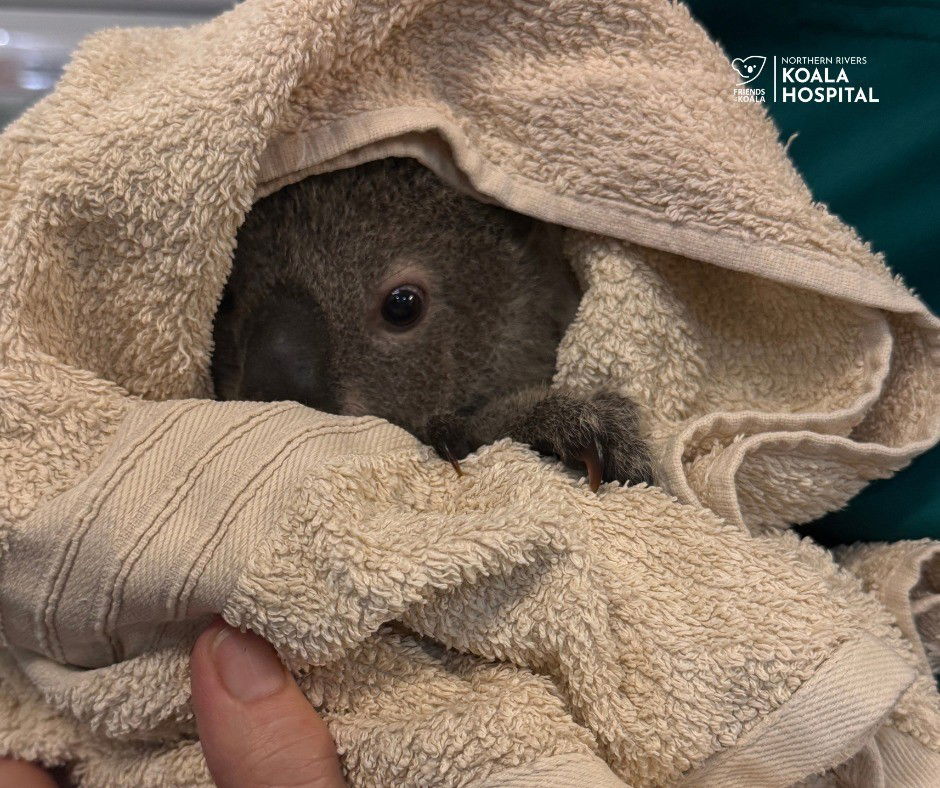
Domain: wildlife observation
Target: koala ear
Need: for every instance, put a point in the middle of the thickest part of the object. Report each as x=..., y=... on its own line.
x=545, y=240
x=521, y=224
x=539, y=238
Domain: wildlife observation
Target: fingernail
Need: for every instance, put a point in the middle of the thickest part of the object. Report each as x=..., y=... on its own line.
x=247, y=665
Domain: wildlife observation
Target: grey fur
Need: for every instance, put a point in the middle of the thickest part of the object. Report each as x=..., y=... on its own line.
x=300, y=318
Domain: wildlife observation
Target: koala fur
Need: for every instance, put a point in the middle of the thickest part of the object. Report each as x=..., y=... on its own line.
x=302, y=318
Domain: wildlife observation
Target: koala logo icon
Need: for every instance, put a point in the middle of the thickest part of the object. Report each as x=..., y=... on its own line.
x=748, y=68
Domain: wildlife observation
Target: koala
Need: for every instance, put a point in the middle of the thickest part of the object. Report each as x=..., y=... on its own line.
x=380, y=290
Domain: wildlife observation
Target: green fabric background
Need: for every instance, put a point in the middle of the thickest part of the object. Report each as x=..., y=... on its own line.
x=875, y=165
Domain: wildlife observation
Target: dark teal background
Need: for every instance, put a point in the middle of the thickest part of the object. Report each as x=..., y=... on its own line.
x=875, y=165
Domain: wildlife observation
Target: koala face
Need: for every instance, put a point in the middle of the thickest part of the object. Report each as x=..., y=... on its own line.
x=380, y=290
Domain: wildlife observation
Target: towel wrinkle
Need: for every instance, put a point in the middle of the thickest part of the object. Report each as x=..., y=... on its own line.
x=187, y=469
x=48, y=636
x=288, y=445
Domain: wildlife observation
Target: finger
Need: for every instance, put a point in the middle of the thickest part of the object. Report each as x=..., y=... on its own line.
x=23, y=775
x=255, y=725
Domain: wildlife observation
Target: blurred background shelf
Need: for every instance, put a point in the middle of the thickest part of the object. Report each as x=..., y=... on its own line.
x=37, y=38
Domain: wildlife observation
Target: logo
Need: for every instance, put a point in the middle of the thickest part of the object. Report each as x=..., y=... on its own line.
x=804, y=79
x=748, y=68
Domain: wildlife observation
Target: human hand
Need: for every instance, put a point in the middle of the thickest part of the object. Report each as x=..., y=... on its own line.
x=256, y=727
x=22, y=774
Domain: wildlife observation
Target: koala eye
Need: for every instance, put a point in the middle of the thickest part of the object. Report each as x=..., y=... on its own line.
x=403, y=306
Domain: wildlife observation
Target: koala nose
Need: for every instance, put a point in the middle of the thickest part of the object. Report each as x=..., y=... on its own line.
x=287, y=354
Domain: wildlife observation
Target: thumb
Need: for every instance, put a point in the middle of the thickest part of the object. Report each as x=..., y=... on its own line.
x=255, y=725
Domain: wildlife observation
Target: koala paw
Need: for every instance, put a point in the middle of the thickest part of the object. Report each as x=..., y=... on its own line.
x=451, y=436
x=600, y=434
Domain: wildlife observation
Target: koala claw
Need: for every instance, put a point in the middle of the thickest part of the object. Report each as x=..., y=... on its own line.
x=448, y=455
x=448, y=434
x=599, y=433
x=594, y=466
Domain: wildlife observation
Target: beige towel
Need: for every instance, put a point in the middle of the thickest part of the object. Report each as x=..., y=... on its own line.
x=530, y=630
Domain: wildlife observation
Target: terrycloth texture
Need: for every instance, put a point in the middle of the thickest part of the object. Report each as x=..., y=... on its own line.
x=499, y=626
x=905, y=577
x=625, y=613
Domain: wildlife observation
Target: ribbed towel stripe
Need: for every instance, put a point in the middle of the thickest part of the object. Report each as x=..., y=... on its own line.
x=46, y=629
